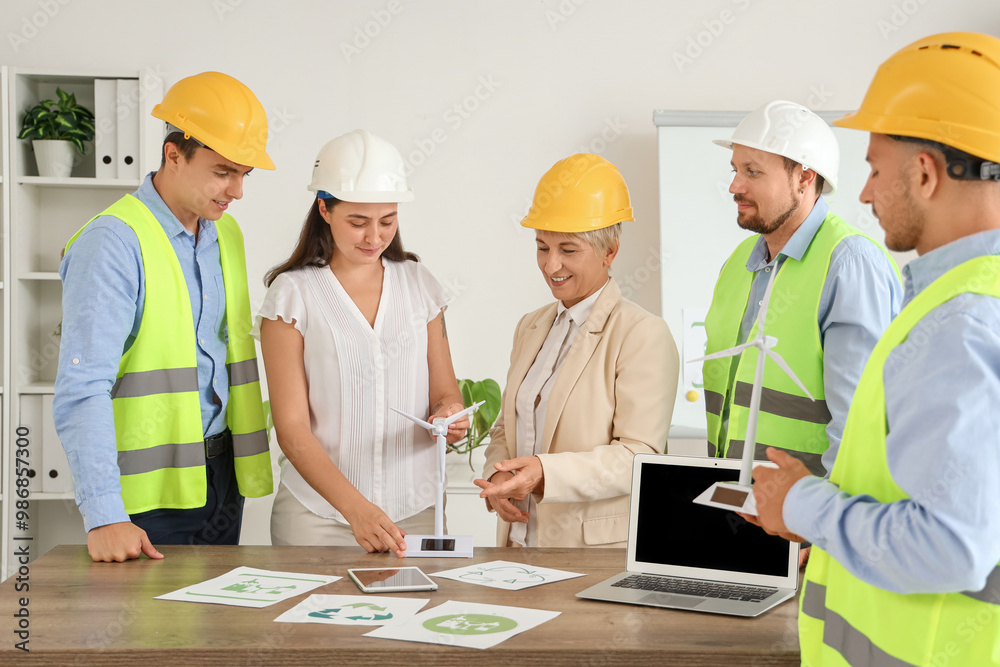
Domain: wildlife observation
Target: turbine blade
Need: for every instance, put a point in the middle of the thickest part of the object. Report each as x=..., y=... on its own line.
x=412, y=418
x=776, y=358
x=458, y=415
x=733, y=351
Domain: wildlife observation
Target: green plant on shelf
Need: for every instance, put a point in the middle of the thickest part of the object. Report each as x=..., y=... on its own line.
x=60, y=120
x=482, y=420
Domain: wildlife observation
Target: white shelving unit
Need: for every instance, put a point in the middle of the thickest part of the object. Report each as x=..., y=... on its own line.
x=6, y=452
x=40, y=215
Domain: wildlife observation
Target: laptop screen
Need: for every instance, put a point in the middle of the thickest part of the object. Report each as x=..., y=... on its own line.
x=673, y=530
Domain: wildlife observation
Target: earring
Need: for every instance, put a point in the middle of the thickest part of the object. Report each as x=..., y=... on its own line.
x=802, y=191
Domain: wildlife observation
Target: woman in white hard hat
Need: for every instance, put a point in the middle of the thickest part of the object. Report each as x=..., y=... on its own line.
x=352, y=325
x=592, y=377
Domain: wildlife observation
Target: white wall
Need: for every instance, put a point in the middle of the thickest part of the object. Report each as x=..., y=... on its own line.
x=552, y=77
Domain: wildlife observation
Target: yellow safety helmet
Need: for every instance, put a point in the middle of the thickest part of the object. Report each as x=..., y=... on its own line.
x=579, y=194
x=943, y=88
x=221, y=113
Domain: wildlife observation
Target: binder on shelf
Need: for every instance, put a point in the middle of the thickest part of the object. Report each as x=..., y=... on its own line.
x=56, y=477
x=128, y=129
x=106, y=128
x=31, y=417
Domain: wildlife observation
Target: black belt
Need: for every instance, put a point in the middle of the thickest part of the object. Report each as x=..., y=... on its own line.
x=218, y=444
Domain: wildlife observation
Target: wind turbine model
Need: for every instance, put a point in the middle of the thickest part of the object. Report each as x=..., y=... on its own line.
x=440, y=545
x=727, y=495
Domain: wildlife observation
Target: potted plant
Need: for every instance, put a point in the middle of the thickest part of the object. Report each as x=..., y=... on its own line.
x=54, y=128
x=482, y=420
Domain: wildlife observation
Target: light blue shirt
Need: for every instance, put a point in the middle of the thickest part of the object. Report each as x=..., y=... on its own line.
x=942, y=394
x=103, y=298
x=861, y=295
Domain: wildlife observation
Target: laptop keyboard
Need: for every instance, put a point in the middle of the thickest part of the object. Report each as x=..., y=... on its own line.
x=707, y=589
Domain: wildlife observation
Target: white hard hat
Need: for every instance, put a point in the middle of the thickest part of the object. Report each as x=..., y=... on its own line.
x=793, y=131
x=360, y=167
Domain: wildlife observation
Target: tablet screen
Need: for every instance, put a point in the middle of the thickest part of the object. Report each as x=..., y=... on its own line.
x=402, y=576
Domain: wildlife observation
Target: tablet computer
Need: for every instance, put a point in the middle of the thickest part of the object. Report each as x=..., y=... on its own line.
x=392, y=580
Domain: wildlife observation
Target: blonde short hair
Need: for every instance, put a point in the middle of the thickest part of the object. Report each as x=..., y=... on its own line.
x=601, y=240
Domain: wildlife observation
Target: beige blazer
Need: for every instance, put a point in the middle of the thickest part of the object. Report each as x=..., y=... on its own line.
x=612, y=399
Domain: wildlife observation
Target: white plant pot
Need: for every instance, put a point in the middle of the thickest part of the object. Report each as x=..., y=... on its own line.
x=55, y=157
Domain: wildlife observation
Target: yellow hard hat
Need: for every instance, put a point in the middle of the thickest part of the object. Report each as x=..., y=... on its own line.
x=943, y=88
x=579, y=194
x=221, y=113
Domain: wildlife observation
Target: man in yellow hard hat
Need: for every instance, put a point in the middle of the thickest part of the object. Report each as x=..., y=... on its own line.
x=907, y=528
x=157, y=398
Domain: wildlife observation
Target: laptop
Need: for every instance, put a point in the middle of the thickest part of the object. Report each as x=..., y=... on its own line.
x=687, y=556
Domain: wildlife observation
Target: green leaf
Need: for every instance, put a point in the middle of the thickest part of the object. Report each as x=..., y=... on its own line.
x=465, y=386
x=472, y=392
x=65, y=120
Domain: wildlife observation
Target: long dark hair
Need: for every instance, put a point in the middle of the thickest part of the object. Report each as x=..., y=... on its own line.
x=315, y=246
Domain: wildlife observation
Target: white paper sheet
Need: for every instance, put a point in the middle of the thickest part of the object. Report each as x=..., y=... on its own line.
x=352, y=610
x=467, y=624
x=506, y=575
x=250, y=587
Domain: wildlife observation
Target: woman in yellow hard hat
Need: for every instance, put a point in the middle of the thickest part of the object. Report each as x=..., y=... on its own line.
x=352, y=325
x=592, y=378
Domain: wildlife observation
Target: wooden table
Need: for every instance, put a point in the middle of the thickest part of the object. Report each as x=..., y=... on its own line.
x=104, y=613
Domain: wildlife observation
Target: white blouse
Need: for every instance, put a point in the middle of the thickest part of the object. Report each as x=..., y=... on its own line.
x=355, y=373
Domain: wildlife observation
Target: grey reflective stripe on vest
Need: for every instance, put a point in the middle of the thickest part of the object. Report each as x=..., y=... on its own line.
x=814, y=462
x=160, y=381
x=250, y=444
x=784, y=405
x=713, y=451
x=991, y=593
x=186, y=455
x=713, y=402
x=838, y=634
x=243, y=372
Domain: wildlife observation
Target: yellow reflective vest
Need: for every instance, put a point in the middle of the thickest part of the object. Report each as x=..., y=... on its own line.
x=158, y=428
x=843, y=620
x=788, y=419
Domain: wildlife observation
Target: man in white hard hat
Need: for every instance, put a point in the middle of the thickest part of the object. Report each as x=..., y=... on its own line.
x=157, y=398
x=835, y=291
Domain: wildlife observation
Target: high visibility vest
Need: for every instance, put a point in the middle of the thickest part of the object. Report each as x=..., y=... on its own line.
x=788, y=419
x=157, y=411
x=843, y=620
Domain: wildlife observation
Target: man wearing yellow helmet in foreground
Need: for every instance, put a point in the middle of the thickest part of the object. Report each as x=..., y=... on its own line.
x=157, y=398
x=906, y=531
x=592, y=377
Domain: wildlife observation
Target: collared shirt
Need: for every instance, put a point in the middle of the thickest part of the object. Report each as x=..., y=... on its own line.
x=942, y=392
x=103, y=300
x=532, y=398
x=860, y=297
